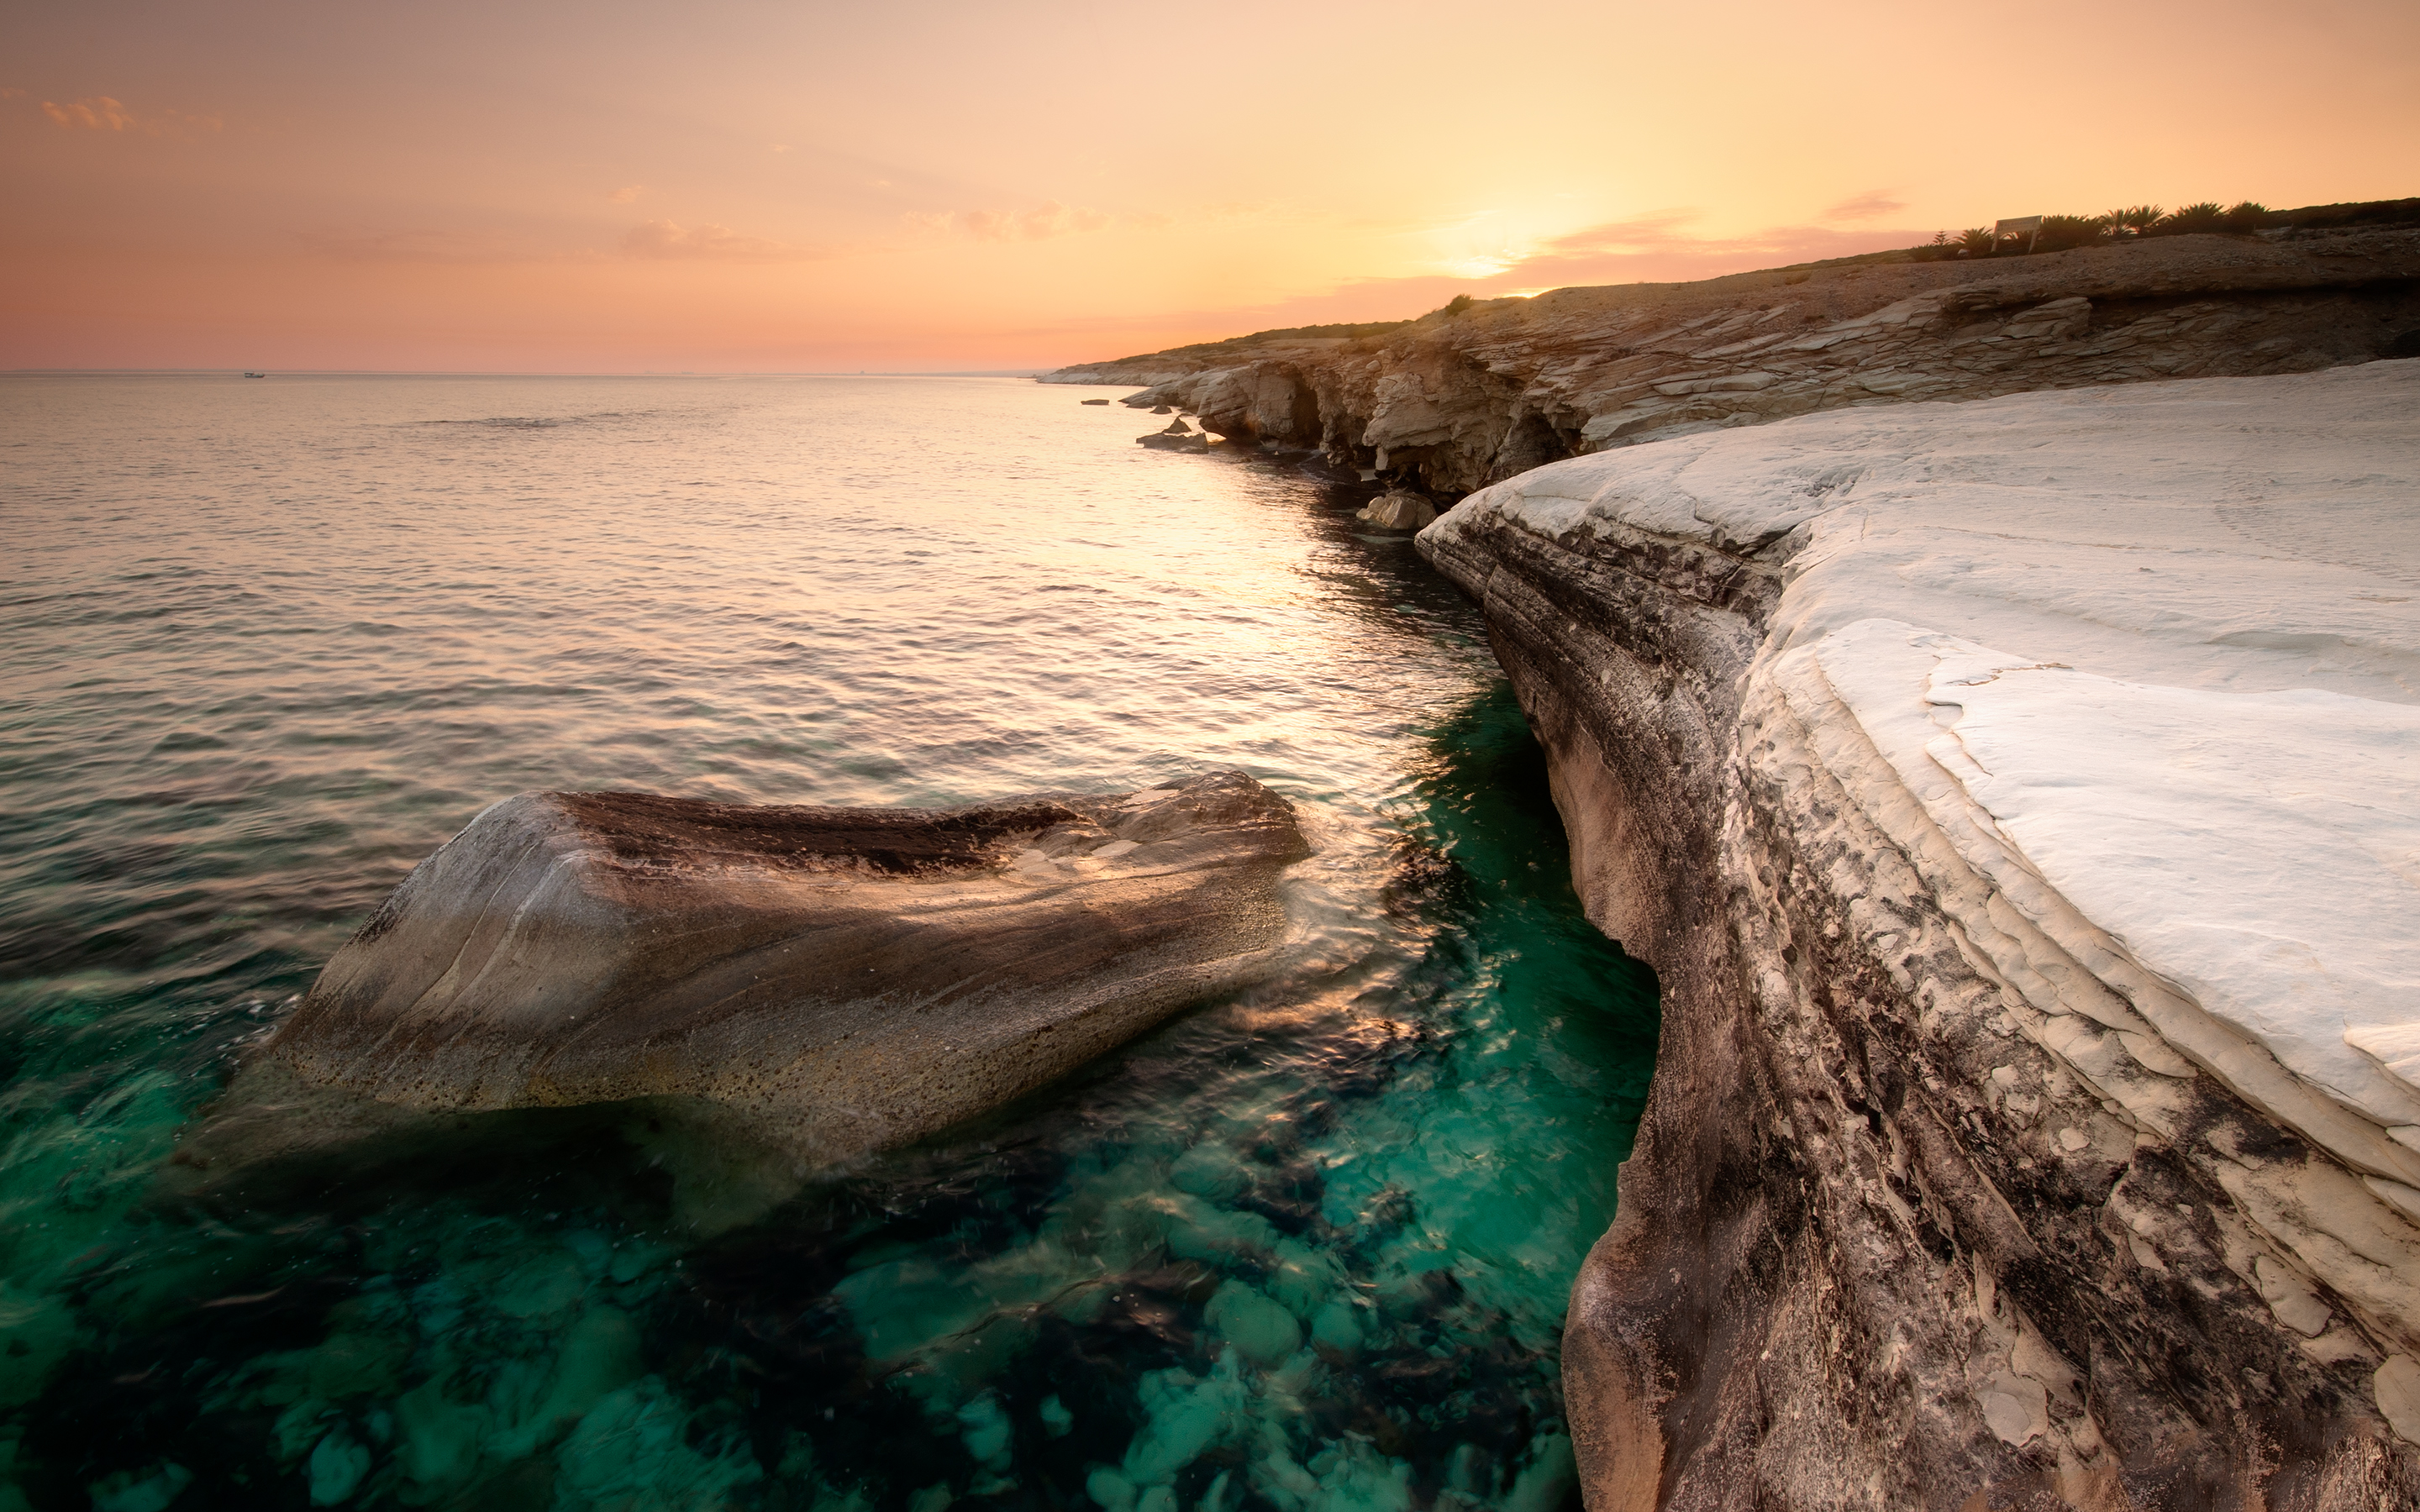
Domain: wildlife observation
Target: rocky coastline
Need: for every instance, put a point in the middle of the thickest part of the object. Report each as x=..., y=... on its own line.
x=1974, y=1166
x=2035, y=1122
x=1450, y=403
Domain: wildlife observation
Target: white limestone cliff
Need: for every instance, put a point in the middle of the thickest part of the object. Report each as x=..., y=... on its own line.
x=2021, y=799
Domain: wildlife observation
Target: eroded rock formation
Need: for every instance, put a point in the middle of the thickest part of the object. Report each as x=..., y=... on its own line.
x=2018, y=802
x=1451, y=403
x=823, y=980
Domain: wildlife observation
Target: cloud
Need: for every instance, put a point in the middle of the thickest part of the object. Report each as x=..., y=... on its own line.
x=1871, y=205
x=96, y=113
x=624, y=195
x=105, y=112
x=662, y=238
x=1047, y=220
x=1657, y=248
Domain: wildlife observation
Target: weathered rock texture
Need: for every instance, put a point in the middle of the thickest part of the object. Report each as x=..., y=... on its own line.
x=2017, y=801
x=1453, y=403
x=842, y=978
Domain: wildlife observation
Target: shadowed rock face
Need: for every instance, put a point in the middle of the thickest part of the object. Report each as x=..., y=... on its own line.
x=841, y=979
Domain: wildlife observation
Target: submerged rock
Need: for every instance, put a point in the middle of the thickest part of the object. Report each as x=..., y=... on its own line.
x=1092, y=401
x=1170, y=441
x=831, y=980
x=2016, y=800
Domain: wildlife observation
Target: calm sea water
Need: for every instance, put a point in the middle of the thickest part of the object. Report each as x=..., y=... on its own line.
x=268, y=643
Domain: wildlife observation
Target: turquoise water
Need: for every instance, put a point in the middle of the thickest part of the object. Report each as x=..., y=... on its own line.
x=270, y=643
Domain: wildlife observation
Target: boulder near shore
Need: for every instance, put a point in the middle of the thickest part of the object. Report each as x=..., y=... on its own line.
x=823, y=981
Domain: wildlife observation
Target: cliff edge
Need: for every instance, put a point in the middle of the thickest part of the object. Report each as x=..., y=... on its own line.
x=2020, y=802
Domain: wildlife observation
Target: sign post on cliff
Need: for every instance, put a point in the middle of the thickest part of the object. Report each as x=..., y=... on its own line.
x=2028, y=226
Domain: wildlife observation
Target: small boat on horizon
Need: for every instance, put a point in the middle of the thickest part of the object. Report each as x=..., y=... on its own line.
x=250, y=373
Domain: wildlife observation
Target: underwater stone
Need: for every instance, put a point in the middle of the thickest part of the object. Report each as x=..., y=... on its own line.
x=841, y=979
x=1260, y=1331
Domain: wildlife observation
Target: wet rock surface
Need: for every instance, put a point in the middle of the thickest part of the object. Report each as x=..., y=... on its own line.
x=1398, y=509
x=1452, y=403
x=1975, y=1171
x=837, y=979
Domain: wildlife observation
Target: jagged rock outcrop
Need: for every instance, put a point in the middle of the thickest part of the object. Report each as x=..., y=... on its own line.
x=2018, y=803
x=837, y=979
x=1451, y=403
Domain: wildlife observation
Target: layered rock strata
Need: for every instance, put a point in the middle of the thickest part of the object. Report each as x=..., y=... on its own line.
x=840, y=978
x=1451, y=403
x=2020, y=803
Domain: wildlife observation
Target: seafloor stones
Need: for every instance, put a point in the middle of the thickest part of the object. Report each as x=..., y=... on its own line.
x=844, y=977
x=1398, y=509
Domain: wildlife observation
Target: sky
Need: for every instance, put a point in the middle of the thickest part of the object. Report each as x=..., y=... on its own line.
x=936, y=185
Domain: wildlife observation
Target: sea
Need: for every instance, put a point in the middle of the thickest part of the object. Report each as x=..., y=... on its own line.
x=269, y=642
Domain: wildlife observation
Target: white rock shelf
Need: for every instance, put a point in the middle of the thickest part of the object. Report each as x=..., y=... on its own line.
x=2132, y=677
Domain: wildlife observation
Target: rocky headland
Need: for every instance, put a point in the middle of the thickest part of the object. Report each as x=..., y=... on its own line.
x=1453, y=402
x=2020, y=803
x=2018, y=796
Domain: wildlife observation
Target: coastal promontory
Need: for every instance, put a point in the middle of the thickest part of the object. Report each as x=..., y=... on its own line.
x=2020, y=802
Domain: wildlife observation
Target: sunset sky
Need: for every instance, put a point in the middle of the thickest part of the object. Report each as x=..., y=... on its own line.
x=930, y=184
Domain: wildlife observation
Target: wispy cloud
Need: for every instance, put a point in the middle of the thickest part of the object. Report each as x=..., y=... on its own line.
x=1871, y=206
x=95, y=113
x=1655, y=248
x=664, y=238
x=624, y=195
x=1659, y=248
x=1045, y=220
x=106, y=113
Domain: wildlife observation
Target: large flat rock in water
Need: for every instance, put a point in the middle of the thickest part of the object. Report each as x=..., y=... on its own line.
x=842, y=978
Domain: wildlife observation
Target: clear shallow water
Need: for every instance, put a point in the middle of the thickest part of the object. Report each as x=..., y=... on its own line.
x=269, y=642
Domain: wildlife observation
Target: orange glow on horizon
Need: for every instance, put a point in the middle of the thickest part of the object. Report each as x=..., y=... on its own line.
x=753, y=187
